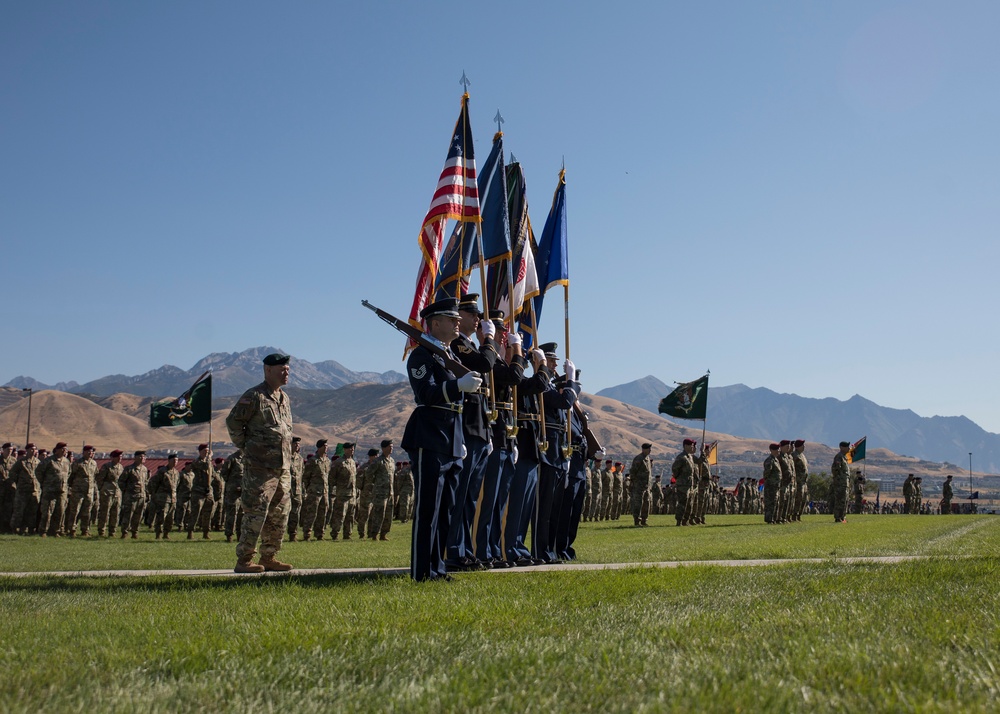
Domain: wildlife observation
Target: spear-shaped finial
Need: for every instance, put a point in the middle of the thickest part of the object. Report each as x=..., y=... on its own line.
x=512, y=159
x=499, y=120
x=464, y=81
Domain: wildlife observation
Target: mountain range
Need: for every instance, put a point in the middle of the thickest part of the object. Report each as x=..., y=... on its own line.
x=232, y=373
x=764, y=414
x=758, y=414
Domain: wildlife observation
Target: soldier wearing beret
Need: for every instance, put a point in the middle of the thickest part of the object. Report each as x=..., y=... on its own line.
x=109, y=494
x=199, y=514
x=343, y=478
x=133, y=486
x=82, y=476
x=801, y=479
x=295, y=504
x=435, y=440
x=232, y=475
x=24, y=516
x=381, y=475
x=363, y=508
x=840, y=482
x=8, y=487
x=772, y=484
x=640, y=472
x=163, y=495
x=947, y=493
x=53, y=475
x=684, y=470
x=315, y=493
x=260, y=424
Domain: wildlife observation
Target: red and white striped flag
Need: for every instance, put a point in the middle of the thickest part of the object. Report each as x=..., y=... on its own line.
x=456, y=198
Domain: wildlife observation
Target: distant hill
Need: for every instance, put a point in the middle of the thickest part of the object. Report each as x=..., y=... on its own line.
x=232, y=374
x=764, y=414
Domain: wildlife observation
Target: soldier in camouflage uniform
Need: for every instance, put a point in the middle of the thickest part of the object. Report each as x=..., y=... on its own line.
x=772, y=484
x=364, y=484
x=53, y=475
x=162, y=495
x=260, y=424
x=701, y=490
x=82, y=477
x=8, y=487
x=640, y=475
x=840, y=483
x=596, y=492
x=183, y=506
x=232, y=475
x=684, y=470
x=343, y=478
x=786, y=484
x=24, y=515
x=109, y=494
x=315, y=493
x=218, y=494
x=295, y=504
x=801, y=479
x=381, y=474
x=404, y=492
x=200, y=512
x=617, y=487
x=133, y=485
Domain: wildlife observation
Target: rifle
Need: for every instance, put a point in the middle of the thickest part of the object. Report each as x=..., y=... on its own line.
x=422, y=339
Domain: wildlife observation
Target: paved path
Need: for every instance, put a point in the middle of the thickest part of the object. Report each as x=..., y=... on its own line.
x=405, y=571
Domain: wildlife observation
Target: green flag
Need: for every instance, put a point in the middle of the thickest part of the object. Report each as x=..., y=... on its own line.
x=857, y=452
x=192, y=407
x=688, y=401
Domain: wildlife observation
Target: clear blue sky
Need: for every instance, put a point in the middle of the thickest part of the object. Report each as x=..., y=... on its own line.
x=798, y=195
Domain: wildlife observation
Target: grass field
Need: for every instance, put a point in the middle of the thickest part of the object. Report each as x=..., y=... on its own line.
x=829, y=636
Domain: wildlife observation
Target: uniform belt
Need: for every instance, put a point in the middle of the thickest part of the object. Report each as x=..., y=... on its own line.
x=457, y=407
x=526, y=416
x=555, y=425
x=509, y=406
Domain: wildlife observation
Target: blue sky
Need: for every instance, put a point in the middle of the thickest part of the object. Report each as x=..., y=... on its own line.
x=797, y=195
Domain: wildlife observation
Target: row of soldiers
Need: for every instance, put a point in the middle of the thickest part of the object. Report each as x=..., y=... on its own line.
x=332, y=491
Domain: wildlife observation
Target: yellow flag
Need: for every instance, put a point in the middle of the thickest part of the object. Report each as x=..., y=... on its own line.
x=713, y=453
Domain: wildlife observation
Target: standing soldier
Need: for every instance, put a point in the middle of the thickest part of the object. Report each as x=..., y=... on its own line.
x=656, y=497
x=53, y=475
x=295, y=504
x=315, y=492
x=232, y=474
x=684, y=470
x=840, y=483
x=260, y=424
x=640, y=473
x=109, y=494
x=786, y=484
x=218, y=493
x=918, y=495
x=597, y=493
x=364, y=502
x=772, y=484
x=617, y=489
x=908, y=494
x=381, y=477
x=607, y=482
x=946, y=495
x=342, y=477
x=801, y=479
x=162, y=495
x=200, y=512
x=24, y=516
x=8, y=487
x=859, y=491
x=704, y=488
x=133, y=485
x=404, y=492
x=82, y=476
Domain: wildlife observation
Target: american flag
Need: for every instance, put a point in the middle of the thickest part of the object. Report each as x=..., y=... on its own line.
x=456, y=198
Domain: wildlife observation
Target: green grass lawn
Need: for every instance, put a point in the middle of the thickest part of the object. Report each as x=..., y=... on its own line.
x=829, y=636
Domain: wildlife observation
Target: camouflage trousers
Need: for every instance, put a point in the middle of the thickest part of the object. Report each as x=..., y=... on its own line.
x=404, y=509
x=682, y=511
x=50, y=513
x=294, y=515
x=25, y=512
x=380, y=519
x=313, y=516
x=131, y=515
x=200, y=514
x=78, y=507
x=640, y=501
x=343, y=516
x=595, y=505
x=163, y=517
x=7, y=491
x=107, y=511
x=233, y=515
x=265, y=502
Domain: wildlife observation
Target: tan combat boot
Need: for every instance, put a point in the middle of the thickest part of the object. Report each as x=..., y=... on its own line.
x=270, y=564
x=248, y=566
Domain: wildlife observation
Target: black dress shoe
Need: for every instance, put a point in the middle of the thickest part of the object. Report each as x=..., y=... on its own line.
x=537, y=561
x=523, y=562
x=453, y=567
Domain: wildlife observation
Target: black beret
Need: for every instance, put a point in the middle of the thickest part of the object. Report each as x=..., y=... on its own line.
x=386, y=442
x=847, y=443
x=647, y=446
x=140, y=452
x=296, y=439
x=373, y=452
x=349, y=444
x=275, y=359
x=321, y=442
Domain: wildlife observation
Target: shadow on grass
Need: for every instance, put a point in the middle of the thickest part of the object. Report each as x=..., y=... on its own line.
x=182, y=583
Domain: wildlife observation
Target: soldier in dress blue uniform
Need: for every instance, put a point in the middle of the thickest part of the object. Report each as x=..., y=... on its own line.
x=434, y=440
x=554, y=470
x=476, y=425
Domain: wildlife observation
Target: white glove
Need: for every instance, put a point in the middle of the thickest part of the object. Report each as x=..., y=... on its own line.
x=537, y=356
x=514, y=339
x=488, y=328
x=470, y=382
x=489, y=447
x=465, y=451
x=570, y=369
x=514, y=451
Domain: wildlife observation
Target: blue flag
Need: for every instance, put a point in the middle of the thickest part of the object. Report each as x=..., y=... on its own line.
x=552, y=256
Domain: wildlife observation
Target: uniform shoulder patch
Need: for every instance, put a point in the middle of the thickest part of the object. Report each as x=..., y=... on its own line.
x=419, y=372
x=465, y=349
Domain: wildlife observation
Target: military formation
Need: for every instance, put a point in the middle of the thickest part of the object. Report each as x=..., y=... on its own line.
x=495, y=455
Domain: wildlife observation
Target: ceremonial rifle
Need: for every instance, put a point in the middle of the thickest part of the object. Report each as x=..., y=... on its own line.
x=422, y=339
